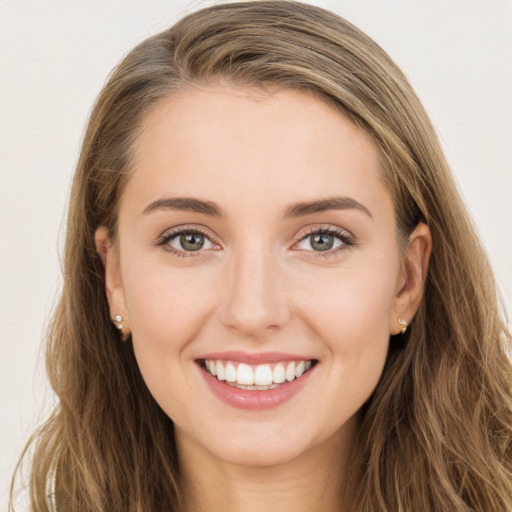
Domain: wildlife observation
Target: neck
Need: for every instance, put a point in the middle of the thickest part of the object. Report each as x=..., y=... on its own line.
x=315, y=480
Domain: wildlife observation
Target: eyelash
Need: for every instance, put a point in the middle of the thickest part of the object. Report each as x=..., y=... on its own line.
x=346, y=239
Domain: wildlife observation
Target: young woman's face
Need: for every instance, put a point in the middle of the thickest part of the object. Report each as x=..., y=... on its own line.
x=256, y=242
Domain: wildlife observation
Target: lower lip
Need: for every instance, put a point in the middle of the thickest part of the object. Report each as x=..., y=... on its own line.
x=256, y=399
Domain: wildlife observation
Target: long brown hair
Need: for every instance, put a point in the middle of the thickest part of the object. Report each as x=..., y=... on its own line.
x=436, y=433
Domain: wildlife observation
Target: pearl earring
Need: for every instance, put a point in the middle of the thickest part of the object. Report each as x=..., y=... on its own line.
x=404, y=323
x=118, y=321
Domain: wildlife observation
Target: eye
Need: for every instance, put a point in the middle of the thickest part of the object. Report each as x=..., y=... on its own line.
x=325, y=240
x=185, y=240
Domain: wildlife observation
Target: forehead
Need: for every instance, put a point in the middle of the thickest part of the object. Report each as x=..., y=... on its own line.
x=264, y=147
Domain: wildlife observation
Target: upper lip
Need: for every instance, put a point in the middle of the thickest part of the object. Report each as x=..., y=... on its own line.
x=254, y=357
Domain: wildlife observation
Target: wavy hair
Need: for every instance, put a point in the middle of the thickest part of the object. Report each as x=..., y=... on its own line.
x=436, y=433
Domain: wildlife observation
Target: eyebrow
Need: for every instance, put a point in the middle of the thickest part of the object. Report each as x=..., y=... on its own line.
x=332, y=203
x=191, y=204
x=187, y=204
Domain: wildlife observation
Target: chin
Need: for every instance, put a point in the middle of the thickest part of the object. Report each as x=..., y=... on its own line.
x=259, y=444
x=262, y=452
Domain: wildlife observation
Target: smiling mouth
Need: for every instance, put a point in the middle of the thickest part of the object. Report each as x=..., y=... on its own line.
x=259, y=377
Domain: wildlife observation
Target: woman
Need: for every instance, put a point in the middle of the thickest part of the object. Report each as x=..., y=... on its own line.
x=273, y=295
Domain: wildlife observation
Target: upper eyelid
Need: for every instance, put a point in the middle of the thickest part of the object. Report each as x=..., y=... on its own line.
x=330, y=229
x=184, y=229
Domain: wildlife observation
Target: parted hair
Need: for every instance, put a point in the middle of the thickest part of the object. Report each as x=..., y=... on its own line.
x=435, y=436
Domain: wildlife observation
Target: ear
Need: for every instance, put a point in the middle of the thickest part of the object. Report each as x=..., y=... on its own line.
x=410, y=285
x=113, y=283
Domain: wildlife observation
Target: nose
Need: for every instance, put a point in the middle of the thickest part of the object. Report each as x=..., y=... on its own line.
x=254, y=302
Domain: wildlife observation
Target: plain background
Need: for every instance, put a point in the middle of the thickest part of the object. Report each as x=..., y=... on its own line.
x=56, y=54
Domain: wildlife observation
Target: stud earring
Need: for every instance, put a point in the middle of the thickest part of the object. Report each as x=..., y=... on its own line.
x=404, y=323
x=118, y=321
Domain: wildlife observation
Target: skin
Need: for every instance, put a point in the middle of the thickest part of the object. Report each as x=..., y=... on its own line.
x=259, y=284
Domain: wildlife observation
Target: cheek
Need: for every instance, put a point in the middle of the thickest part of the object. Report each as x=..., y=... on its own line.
x=165, y=307
x=349, y=316
x=352, y=306
x=353, y=325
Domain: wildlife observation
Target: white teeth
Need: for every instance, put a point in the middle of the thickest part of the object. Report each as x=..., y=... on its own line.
x=230, y=372
x=290, y=372
x=263, y=375
x=300, y=369
x=260, y=377
x=278, y=375
x=221, y=374
x=245, y=375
